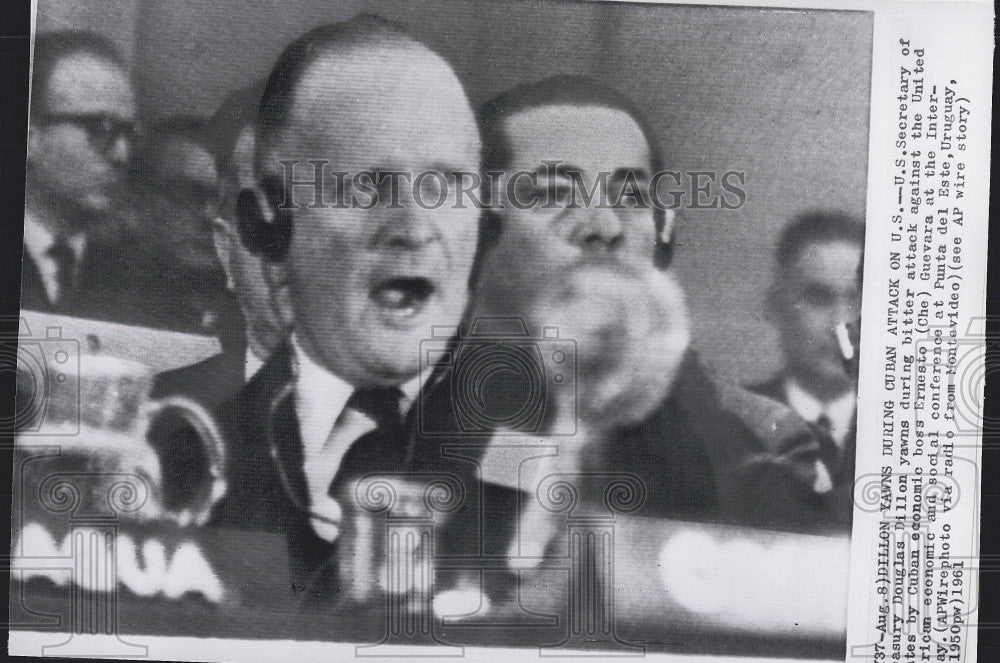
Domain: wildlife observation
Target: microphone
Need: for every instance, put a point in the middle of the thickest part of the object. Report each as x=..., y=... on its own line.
x=115, y=441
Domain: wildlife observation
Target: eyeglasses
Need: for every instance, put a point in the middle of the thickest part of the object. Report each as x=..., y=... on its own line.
x=103, y=131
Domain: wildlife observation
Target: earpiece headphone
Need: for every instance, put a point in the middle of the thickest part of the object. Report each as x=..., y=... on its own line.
x=265, y=230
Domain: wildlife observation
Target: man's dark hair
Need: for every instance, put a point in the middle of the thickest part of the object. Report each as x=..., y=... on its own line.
x=161, y=135
x=279, y=91
x=817, y=227
x=561, y=89
x=190, y=128
x=237, y=113
x=52, y=47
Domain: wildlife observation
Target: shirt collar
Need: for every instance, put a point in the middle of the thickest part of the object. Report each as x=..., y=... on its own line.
x=840, y=410
x=38, y=239
x=251, y=363
x=410, y=390
x=320, y=397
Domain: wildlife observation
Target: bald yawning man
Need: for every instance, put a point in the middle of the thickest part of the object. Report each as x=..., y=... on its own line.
x=361, y=283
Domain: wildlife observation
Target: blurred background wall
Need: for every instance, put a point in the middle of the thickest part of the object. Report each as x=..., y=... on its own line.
x=115, y=19
x=780, y=95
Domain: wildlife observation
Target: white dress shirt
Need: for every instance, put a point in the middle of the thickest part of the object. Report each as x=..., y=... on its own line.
x=251, y=364
x=839, y=411
x=328, y=430
x=38, y=239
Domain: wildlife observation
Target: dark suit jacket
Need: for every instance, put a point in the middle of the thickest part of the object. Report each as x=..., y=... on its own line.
x=686, y=454
x=793, y=473
x=211, y=381
x=124, y=280
x=267, y=485
x=93, y=284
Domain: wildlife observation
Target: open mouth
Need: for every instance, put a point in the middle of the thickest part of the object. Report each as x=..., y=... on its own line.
x=403, y=296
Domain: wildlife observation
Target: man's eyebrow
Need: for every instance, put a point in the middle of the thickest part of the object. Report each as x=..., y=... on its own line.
x=448, y=169
x=560, y=169
x=821, y=288
x=564, y=170
x=639, y=174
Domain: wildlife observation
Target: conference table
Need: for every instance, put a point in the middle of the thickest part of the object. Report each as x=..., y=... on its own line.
x=614, y=584
x=672, y=587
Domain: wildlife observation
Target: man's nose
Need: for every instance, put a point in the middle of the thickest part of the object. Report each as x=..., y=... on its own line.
x=599, y=229
x=121, y=150
x=411, y=227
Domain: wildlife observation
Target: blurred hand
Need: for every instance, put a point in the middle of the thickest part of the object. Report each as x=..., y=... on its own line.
x=631, y=332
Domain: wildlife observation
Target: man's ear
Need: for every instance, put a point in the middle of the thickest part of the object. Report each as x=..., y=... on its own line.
x=224, y=237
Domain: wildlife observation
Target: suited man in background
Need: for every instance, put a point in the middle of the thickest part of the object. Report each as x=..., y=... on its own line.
x=179, y=168
x=81, y=136
x=170, y=205
x=362, y=284
x=94, y=245
x=250, y=333
x=816, y=289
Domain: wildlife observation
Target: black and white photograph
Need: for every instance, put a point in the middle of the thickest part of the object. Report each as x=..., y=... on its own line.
x=517, y=328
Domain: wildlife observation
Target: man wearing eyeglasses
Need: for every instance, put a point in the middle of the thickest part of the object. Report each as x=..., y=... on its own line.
x=80, y=139
x=180, y=169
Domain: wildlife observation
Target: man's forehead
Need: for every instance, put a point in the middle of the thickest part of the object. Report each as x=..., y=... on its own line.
x=829, y=260
x=367, y=95
x=86, y=83
x=367, y=75
x=574, y=132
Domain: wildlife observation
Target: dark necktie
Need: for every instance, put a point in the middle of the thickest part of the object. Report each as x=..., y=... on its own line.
x=65, y=260
x=381, y=448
